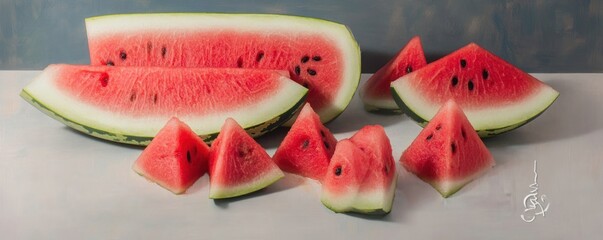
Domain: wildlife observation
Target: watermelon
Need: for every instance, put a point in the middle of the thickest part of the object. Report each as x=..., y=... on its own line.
x=238, y=164
x=131, y=104
x=447, y=153
x=376, y=193
x=376, y=94
x=345, y=174
x=175, y=159
x=495, y=96
x=307, y=148
x=319, y=54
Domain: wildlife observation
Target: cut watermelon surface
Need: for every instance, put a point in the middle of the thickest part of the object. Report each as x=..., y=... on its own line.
x=238, y=164
x=447, y=153
x=131, y=104
x=175, y=159
x=307, y=148
x=318, y=54
x=376, y=93
x=495, y=96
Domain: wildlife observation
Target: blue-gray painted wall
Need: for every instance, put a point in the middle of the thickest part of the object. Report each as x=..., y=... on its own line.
x=537, y=36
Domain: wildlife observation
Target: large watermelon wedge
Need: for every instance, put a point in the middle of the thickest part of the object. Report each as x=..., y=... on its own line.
x=496, y=96
x=319, y=54
x=131, y=104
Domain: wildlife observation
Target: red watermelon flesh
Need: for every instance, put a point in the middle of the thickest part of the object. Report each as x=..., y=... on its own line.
x=447, y=153
x=494, y=95
x=307, y=148
x=345, y=174
x=318, y=54
x=376, y=193
x=238, y=164
x=376, y=93
x=175, y=159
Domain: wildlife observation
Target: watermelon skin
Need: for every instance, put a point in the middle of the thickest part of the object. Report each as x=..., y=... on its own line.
x=345, y=174
x=495, y=96
x=319, y=54
x=307, y=148
x=377, y=191
x=130, y=104
x=447, y=153
x=238, y=165
x=175, y=159
x=376, y=94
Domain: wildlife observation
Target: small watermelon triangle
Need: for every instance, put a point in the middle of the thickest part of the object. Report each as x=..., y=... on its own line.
x=307, y=148
x=175, y=158
x=238, y=164
x=376, y=94
x=447, y=153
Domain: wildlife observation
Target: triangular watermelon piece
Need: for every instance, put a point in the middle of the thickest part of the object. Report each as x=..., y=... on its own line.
x=238, y=164
x=307, y=148
x=376, y=93
x=175, y=158
x=376, y=193
x=495, y=96
x=447, y=153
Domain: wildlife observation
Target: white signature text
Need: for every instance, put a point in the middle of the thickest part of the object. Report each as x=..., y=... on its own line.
x=534, y=205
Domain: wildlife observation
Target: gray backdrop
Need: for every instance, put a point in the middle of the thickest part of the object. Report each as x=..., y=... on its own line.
x=538, y=36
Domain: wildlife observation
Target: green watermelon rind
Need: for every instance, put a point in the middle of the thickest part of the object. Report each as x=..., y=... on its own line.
x=255, y=130
x=221, y=192
x=363, y=205
x=483, y=133
x=349, y=84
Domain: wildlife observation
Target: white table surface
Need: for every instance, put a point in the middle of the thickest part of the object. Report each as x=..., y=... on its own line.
x=56, y=183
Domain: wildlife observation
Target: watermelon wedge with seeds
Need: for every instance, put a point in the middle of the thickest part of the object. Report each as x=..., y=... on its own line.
x=495, y=96
x=175, y=159
x=376, y=93
x=131, y=104
x=238, y=165
x=319, y=54
x=447, y=153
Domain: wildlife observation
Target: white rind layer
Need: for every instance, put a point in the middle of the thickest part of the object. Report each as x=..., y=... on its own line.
x=449, y=187
x=378, y=200
x=271, y=23
x=43, y=90
x=376, y=103
x=492, y=117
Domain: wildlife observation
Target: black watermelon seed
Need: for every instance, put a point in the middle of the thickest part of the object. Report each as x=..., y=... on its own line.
x=463, y=63
x=297, y=70
x=188, y=156
x=337, y=170
x=322, y=133
x=163, y=51
x=123, y=55
x=305, y=144
x=463, y=134
x=104, y=80
x=305, y=59
x=453, y=147
x=429, y=137
x=408, y=69
x=470, y=85
x=386, y=168
x=240, y=62
x=326, y=144
x=133, y=97
x=259, y=56
x=110, y=63
x=455, y=81
x=485, y=74
x=155, y=98
x=306, y=85
x=316, y=58
x=438, y=127
x=312, y=72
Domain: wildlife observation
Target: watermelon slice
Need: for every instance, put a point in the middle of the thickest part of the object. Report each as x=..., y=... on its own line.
x=496, y=96
x=307, y=148
x=447, y=153
x=376, y=193
x=345, y=174
x=319, y=54
x=376, y=93
x=131, y=104
x=238, y=164
x=175, y=159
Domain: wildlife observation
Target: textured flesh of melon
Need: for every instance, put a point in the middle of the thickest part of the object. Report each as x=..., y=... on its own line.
x=320, y=54
x=136, y=102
